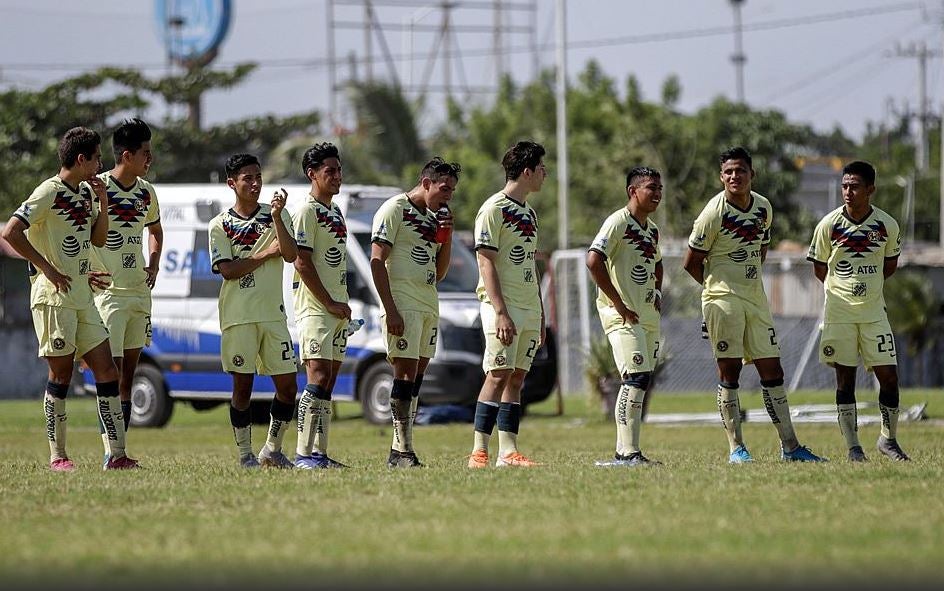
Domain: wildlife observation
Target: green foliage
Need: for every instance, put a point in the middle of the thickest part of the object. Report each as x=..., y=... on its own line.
x=913, y=306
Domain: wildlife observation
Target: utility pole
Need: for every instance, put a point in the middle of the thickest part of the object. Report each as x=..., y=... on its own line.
x=920, y=52
x=738, y=58
x=561, y=92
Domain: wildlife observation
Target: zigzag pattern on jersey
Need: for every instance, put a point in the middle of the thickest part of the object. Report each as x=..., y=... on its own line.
x=333, y=223
x=78, y=212
x=521, y=223
x=747, y=230
x=422, y=226
x=858, y=241
x=124, y=209
x=641, y=241
x=245, y=233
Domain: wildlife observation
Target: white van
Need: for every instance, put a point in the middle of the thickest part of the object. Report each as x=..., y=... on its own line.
x=183, y=360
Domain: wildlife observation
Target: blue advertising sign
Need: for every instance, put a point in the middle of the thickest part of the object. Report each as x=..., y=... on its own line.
x=192, y=30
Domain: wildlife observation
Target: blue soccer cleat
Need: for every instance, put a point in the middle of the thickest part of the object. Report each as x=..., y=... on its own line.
x=800, y=454
x=740, y=455
x=248, y=461
x=317, y=461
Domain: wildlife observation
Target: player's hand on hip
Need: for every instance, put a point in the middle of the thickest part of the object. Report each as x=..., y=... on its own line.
x=628, y=316
x=278, y=202
x=340, y=310
x=505, y=328
x=99, y=279
x=62, y=281
x=395, y=323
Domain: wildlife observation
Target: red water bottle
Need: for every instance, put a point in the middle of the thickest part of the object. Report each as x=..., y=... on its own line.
x=442, y=232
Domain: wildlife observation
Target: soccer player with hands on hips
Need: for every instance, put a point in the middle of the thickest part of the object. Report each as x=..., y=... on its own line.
x=54, y=229
x=626, y=264
x=406, y=262
x=248, y=244
x=855, y=249
x=727, y=248
x=512, y=311
x=320, y=298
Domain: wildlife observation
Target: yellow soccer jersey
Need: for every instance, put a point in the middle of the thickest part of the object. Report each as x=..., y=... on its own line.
x=510, y=228
x=631, y=251
x=256, y=296
x=59, y=220
x=321, y=231
x=130, y=210
x=411, y=234
x=854, y=253
x=733, y=239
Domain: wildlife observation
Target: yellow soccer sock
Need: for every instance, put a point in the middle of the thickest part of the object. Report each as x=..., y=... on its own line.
x=243, y=436
x=400, y=414
x=55, y=411
x=280, y=418
x=848, y=424
x=636, y=396
x=321, y=413
x=109, y=411
x=306, y=424
x=778, y=409
x=889, y=421
x=729, y=407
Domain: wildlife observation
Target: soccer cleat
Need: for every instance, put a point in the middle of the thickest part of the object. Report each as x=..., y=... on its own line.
x=119, y=463
x=629, y=460
x=800, y=454
x=274, y=459
x=403, y=459
x=891, y=449
x=857, y=454
x=516, y=459
x=479, y=459
x=317, y=461
x=740, y=455
x=62, y=465
x=248, y=461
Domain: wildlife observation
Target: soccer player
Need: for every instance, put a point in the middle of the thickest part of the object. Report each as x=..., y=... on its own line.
x=406, y=262
x=125, y=303
x=626, y=264
x=855, y=249
x=727, y=247
x=53, y=230
x=512, y=310
x=320, y=296
x=248, y=243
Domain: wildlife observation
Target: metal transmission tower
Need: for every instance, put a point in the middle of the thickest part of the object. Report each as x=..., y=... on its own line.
x=920, y=52
x=458, y=22
x=738, y=58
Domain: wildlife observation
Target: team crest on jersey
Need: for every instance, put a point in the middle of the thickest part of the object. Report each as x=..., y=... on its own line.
x=77, y=212
x=828, y=351
x=423, y=226
x=127, y=211
x=642, y=241
x=722, y=346
x=746, y=230
x=238, y=360
x=402, y=344
x=58, y=344
x=520, y=223
x=245, y=235
x=500, y=359
x=637, y=359
x=332, y=222
x=859, y=242
x=314, y=347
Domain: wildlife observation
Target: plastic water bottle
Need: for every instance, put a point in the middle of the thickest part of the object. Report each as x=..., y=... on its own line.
x=354, y=325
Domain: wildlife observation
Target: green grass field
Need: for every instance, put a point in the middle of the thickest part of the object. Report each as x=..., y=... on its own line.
x=192, y=517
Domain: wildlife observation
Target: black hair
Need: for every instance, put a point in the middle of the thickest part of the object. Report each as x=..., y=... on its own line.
x=237, y=162
x=522, y=155
x=737, y=153
x=315, y=156
x=130, y=136
x=862, y=169
x=641, y=172
x=437, y=168
x=78, y=140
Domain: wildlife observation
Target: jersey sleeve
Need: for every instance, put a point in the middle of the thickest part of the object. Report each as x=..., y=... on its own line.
x=221, y=249
x=385, y=226
x=606, y=242
x=487, y=226
x=305, y=228
x=821, y=246
x=704, y=231
x=768, y=225
x=154, y=210
x=37, y=206
x=893, y=243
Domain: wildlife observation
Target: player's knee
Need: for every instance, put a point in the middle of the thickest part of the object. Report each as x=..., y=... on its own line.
x=516, y=380
x=402, y=390
x=57, y=390
x=845, y=396
x=638, y=380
